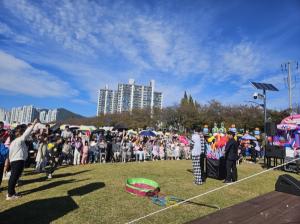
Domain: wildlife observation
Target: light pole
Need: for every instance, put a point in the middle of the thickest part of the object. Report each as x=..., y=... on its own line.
x=265, y=109
x=264, y=87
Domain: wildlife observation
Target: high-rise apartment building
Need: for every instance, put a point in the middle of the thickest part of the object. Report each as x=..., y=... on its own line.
x=27, y=114
x=54, y=115
x=128, y=97
x=43, y=115
x=23, y=115
x=107, y=101
x=4, y=115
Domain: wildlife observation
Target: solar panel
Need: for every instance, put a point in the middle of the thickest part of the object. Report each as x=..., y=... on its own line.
x=264, y=86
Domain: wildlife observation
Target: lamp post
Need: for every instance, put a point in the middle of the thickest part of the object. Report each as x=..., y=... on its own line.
x=264, y=87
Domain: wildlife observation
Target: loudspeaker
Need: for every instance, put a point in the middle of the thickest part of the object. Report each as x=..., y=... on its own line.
x=288, y=184
x=270, y=128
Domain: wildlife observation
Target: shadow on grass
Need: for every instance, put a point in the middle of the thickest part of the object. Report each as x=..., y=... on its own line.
x=49, y=185
x=202, y=204
x=80, y=191
x=32, y=171
x=190, y=170
x=47, y=210
x=60, y=175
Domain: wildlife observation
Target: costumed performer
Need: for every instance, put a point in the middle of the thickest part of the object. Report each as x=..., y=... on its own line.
x=198, y=149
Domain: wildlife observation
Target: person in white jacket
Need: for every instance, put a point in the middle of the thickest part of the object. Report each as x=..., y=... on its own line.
x=18, y=153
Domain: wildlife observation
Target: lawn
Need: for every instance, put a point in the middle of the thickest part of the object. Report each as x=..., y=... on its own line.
x=95, y=193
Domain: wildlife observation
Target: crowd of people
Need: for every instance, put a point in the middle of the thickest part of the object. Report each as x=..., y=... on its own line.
x=29, y=145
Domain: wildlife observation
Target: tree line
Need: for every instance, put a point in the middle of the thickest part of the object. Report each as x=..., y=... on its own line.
x=187, y=115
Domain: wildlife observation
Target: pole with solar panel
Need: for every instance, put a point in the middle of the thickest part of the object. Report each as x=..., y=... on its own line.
x=264, y=87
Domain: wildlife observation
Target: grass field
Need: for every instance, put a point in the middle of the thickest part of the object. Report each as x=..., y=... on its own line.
x=96, y=194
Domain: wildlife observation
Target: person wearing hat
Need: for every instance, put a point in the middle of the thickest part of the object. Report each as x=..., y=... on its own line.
x=231, y=156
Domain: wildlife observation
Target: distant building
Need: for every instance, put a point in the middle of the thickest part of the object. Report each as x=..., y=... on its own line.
x=107, y=101
x=23, y=115
x=55, y=115
x=128, y=97
x=27, y=114
x=43, y=115
x=4, y=115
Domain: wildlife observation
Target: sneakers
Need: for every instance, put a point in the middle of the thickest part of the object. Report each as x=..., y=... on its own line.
x=49, y=176
x=197, y=184
x=227, y=182
x=13, y=197
x=6, y=176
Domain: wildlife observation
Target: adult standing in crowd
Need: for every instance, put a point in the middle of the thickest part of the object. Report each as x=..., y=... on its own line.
x=18, y=154
x=198, y=148
x=77, y=150
x=4, y=134
x=231, y=155
x=66, y=133
x=3, y=149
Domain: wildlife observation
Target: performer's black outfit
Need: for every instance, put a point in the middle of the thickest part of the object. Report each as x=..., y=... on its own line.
x=231, y=155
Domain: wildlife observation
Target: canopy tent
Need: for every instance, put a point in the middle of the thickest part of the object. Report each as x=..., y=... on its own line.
x=99, y=130
x=160, y=133
x=71, y=127
x=293, y=119
x=248, y=137
x=87, y=128
x=287, y=127
x=106, y=128
x=131, y=132
x=147, y=133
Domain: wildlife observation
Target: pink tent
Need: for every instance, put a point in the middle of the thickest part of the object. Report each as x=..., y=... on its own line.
x=287, y=127
x=293, y=119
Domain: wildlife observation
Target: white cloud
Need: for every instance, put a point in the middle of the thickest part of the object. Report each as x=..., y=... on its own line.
x=148, y=43
x=93, y=37
x=242, y=60
x=80, y=101
x=6, y=31
x=19, y=77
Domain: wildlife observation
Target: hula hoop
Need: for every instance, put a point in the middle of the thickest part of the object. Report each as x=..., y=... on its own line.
x=142, y=187
x=165, y=200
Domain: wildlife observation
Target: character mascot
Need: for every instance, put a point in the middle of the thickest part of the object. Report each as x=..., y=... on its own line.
x=222, y=129
x=215, y=129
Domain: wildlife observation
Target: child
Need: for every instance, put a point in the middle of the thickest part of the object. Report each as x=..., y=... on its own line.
x=124, y=149
x=155, y=151
x=162, y=151
x=186, y=149
x=85, y=153
x=41, y=154
x=176, y=151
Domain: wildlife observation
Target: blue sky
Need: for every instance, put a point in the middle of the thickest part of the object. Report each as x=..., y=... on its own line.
x=59, y=53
